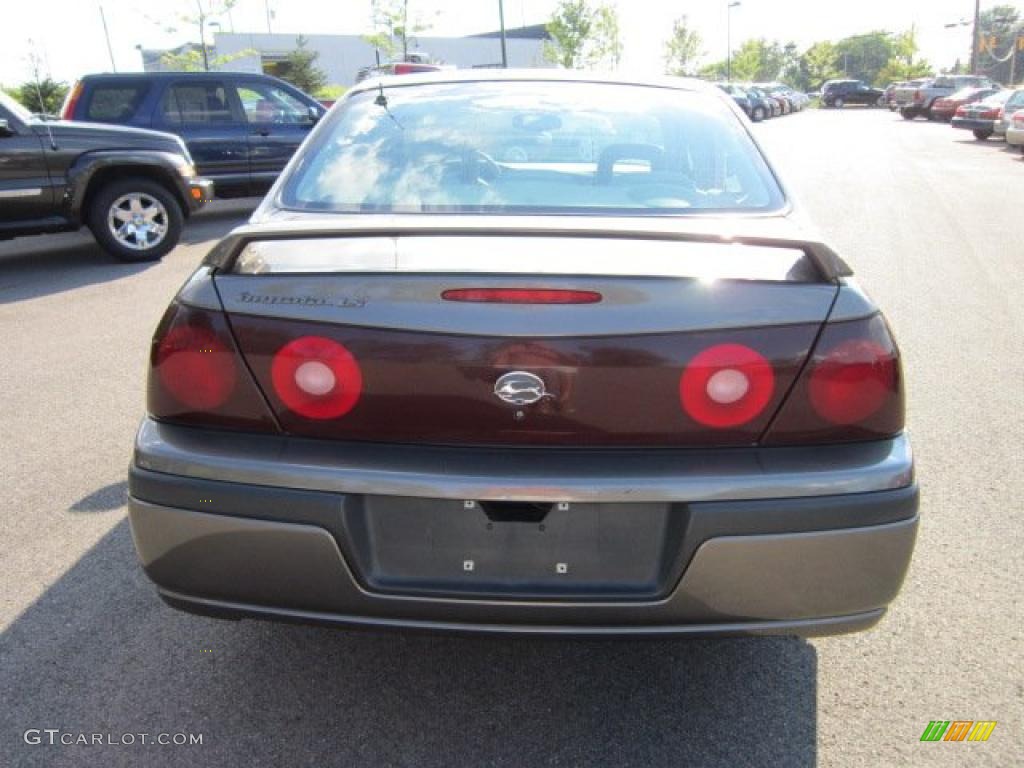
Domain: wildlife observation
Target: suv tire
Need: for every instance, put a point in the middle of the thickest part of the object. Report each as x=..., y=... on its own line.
x=981, y=135
x=908, y=114
x=758, y=114
x=135, y=219
x=839, y=102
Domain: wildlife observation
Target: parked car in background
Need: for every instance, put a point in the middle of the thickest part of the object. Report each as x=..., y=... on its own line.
x=426, y=389
x=1015, y=130
x=761, y=108
x=981, y=116
x=240, y=128
x=889, y=94
x=794, y=101
x=802, y=99
x=889, y=97
x=839, y=93
x=743, y=101
x=1013, y=104
x=133, y=188
x=774, y=93
x=917, y=99
x=772, y=104
x=944, y=108
x=397, y=68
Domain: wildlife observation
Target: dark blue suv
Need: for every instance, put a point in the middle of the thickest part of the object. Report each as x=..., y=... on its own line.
x=241, y=129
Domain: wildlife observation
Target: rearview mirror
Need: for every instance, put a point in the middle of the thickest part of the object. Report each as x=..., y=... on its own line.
x=5, y=129
x=314, y=115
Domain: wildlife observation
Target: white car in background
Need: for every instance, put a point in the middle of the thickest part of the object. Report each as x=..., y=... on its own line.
x=1015, y=130
x=1014, y=104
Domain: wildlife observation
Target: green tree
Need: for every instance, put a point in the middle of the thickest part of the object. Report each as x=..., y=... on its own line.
x=192, y=60
x=716, y=70
x=682, y=49
x=862, y=57
x=902, y=65
x=201, y=58
x=819, y=63
x=758, y=61
x=607, y=42
x=393, y=27
x=583, y=35
x=44, y=96
x=299, y=68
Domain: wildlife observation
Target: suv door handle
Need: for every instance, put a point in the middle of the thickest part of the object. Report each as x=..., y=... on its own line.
x=261, y=131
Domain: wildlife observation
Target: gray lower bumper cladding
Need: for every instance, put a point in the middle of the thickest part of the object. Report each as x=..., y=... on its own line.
x=815, y=582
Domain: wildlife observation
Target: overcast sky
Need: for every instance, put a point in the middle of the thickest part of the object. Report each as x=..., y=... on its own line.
x=69, y=33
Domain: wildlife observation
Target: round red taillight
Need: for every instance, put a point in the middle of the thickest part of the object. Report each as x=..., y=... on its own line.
x=853, y=381
x=727, y=385
x=196, y=368
x=317, y=378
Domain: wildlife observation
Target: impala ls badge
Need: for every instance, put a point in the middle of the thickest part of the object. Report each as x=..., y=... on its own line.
x=520, y=388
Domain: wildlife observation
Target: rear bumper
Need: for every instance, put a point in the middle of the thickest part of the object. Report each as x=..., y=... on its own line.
x=1015, y=136
x=971, y=124
x=810, y=564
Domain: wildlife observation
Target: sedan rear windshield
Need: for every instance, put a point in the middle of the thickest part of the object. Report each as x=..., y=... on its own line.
x=532, y=147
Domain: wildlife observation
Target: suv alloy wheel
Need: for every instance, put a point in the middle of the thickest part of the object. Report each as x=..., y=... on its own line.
x=136, y=219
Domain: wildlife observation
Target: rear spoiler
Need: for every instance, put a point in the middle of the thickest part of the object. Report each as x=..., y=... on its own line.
x=223, y=256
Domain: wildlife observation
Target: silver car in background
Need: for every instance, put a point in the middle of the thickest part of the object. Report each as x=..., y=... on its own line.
x=1013, y=104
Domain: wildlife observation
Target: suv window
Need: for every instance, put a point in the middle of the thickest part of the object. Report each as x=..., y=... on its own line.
x=196, y=103
x=839, y=85
x=270, y=104
x=115, y=102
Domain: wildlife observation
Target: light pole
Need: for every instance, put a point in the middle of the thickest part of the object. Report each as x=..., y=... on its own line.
x=728, y=39
x=504, y=48
x=974, y=37
x=202, y=36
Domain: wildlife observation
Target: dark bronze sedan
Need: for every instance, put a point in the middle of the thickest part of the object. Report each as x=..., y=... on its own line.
x=605, y=392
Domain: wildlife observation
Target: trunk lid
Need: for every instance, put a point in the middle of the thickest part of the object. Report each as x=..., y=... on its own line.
x=609, y=372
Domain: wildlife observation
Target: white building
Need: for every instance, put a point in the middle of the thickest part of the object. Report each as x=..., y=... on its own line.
x=341, y=56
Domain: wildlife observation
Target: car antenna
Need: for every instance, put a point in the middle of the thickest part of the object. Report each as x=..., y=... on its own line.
x=382, y=101
x=42, y=106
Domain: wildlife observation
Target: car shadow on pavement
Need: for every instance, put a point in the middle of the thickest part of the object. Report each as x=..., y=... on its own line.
x=989, y=143
x=105, y=499
x=47, y=264
x=218, y=218
x=99, y=653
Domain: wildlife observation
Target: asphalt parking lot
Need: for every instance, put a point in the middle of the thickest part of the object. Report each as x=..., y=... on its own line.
x=930, y=220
